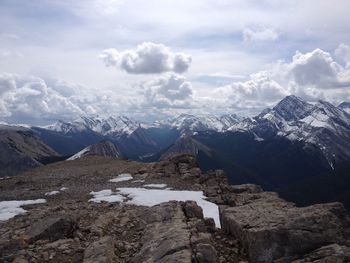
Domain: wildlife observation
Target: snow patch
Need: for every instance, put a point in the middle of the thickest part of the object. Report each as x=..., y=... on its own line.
x=56, y=192
x=106, y=196
x=9, y=209
x=318, y=120
x=151, y=197
x=52, y=193
x=138, y=181
x=155, y=185
x=121, y=178
x=79, y=154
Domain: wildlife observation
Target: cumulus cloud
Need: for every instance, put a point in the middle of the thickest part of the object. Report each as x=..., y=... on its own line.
x=258, y=92
x=343, y=53
x=265, y=34
x=318, y=69
x=33, y=100
x=312, y=75
x=27, y=98
x=170, y=90
x=147, y=58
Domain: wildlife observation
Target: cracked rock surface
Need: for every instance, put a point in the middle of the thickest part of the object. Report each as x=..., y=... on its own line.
x=256, y=226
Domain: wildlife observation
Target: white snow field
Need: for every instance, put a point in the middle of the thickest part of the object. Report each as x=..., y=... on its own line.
x=9, y=209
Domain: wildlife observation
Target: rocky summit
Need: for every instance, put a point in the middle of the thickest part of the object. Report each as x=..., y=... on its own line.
x=103, y=209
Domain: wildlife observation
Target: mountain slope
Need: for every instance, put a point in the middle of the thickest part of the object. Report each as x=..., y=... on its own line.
x=21, y=150
x=70, y=137
x=103, y=148
x=323, y=125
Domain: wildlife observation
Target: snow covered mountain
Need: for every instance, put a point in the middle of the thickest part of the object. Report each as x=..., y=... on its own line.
x=104, y=126
x=321, y=124
x=187, y=123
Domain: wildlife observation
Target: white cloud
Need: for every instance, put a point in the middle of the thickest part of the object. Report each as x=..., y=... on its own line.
x=318, y=69
x=265, y=34
x=147, y=58
x=170, y=90
x=258, y=92
x=313, y=75
x=343, y=53
x=30, y=98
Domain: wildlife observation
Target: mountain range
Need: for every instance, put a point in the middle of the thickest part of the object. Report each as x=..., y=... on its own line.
x=290, y=148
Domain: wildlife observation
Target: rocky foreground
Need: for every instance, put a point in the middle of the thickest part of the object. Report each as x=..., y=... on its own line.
x=71, y=226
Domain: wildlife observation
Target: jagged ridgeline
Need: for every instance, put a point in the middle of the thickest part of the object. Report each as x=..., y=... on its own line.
x=105, y=209
x=291, y=148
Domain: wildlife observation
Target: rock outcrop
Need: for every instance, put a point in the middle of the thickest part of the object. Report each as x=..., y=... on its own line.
x=270, y=228
x=166, y=237
x=256, y=226
x=52, y=228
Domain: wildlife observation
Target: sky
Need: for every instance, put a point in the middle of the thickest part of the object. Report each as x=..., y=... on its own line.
x=154, y=59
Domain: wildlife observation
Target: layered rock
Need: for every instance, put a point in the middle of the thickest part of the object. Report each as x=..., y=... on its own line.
x=270, y=228
x=166, y=237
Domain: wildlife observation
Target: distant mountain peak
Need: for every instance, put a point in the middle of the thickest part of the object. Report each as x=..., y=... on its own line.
x=105, y=126
x=292, y=108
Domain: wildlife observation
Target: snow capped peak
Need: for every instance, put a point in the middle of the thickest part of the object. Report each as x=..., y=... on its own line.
x=322, y=124
x=65, y=127
x=104, y=126
x=292, y=108
x=204, y=122
x=230, y=119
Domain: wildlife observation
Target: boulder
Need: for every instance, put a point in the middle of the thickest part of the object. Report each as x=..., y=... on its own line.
x=270, y=228
x=245, y=188
x=192, y=210
x=206, y=253
x=52, y=228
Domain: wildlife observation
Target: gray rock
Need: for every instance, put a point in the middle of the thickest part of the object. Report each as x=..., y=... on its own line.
x=247, y=188
x=100, y=251
x=52, y=228
x=166, y=237
x=192, y=210
x=332, y=253
x=20, y=259
x=206, y=253
x=270, y=228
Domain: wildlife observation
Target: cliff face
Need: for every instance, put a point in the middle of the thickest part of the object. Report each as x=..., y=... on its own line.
x=101, y=209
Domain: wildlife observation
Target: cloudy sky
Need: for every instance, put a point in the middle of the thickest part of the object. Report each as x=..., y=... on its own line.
x=152, y=59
